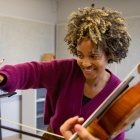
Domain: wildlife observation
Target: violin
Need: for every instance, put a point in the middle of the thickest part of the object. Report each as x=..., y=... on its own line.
x=116, y=113
x=124, y=111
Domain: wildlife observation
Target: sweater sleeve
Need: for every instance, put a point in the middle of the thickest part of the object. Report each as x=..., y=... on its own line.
x=34, y=75
x=26, y=75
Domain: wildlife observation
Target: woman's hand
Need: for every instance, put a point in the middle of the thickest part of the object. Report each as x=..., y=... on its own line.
x=73, y=125
x=1, y=78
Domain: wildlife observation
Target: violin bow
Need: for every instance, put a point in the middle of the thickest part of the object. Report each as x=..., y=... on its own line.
x=48, y=135
x=22, y=132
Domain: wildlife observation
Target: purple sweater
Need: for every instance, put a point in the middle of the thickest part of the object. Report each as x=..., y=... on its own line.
x=64, y=82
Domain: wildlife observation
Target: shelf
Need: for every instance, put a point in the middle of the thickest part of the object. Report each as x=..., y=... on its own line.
x=41, y=93
x=33, y=100
x=40, y=115
x=40, y=124
x=40, y=100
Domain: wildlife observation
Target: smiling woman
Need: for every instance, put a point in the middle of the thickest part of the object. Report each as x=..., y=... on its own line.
x=96, y=36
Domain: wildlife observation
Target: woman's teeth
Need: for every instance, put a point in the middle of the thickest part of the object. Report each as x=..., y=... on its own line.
x=88, y=70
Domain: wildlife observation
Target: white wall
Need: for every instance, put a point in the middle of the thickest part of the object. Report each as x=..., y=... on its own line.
x=40, y=10
x=129, y=8
x=27, y=31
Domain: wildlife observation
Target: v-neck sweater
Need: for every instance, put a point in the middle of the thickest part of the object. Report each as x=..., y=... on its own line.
x=64, y=82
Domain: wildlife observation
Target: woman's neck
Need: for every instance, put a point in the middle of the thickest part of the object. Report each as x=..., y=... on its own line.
x=93, y=87
x=100, y=80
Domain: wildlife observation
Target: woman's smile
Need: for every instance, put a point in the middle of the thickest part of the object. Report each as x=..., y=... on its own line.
x=89, y=72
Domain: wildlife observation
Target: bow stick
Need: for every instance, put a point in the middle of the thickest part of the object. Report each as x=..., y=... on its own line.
x=22, y=132
x=48, y=135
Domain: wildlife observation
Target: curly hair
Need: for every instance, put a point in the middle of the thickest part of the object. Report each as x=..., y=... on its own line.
x=105, y=27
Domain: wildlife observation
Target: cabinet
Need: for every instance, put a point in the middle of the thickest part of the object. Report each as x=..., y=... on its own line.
x=32, y=111
x=40, y=99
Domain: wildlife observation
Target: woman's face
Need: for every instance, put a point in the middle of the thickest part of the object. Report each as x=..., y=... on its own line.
x=92, y=62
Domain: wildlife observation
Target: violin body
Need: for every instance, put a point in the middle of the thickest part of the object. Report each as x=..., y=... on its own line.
x=124, y=111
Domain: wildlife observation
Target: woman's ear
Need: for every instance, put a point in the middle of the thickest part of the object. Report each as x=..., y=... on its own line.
x=110, y=59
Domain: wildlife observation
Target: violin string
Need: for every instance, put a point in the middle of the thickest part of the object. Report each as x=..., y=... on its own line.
x=138, y=69
x=23, y=125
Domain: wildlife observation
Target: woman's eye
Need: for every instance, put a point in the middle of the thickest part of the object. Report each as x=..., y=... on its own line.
x=79, y=55
x=95, y=56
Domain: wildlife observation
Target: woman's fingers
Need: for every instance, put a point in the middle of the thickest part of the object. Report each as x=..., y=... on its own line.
x=83, y=133
x=74, y=124
x=67, y=129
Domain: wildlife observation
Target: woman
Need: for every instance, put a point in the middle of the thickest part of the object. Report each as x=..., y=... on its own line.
x=97, y=37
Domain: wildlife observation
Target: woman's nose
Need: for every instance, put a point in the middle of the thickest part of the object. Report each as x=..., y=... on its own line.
x=86, y=62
